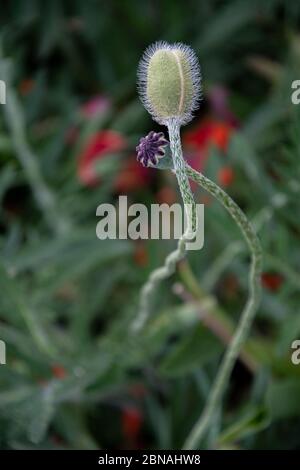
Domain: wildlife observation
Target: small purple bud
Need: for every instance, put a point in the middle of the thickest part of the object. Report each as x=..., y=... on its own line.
x=151, y=148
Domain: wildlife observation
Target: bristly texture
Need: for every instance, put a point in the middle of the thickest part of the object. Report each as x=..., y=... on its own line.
x=151, y=148
x=169, y=82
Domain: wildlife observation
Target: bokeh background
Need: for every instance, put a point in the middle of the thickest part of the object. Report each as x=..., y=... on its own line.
x=74, y=378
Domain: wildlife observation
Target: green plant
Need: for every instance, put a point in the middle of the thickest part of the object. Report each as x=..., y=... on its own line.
x=67, y=298
x=169, y=88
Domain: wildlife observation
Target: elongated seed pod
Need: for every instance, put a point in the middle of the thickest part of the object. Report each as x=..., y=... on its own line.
x=169, y=82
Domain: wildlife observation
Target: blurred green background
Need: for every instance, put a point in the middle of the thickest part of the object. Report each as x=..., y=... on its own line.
x=74, y=377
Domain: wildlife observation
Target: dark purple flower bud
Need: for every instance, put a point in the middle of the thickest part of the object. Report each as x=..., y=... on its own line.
x=151, y=148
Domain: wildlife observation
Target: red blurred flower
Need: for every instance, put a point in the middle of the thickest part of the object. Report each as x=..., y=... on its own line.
x=100, y=145
x=131, y=423
x=58, y=371
x=26, y=86
x=132, y=175
x=57, y=440
x=271, y=281
x=198, y=141
x=209, y=132
x=225, y=176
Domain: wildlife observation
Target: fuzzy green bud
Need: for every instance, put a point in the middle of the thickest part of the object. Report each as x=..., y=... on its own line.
x=169, y=82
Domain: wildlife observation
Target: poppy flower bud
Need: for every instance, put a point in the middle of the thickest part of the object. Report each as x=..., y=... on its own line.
x=169, y=82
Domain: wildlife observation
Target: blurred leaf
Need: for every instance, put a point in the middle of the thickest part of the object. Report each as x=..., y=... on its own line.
x=190, y=353
x=252, y=422
x=282, y=398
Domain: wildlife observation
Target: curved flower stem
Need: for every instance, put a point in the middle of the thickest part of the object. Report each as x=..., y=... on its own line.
x=247, y=315
x=190, y=209
x=183, y=181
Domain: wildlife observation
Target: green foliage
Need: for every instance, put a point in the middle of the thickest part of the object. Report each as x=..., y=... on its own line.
x=67, y=298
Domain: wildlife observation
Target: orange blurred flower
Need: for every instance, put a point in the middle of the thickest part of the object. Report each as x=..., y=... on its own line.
x=132, y=175
x=166, y=195
x=140, y=254
x=206, y=199
x=225, y=176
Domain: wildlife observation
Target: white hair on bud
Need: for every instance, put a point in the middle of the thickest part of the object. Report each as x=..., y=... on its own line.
x=194, y=76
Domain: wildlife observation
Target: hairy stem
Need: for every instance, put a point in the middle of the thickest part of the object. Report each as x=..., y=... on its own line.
x=247, y=315
x=190, y=209
x=183, y=181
